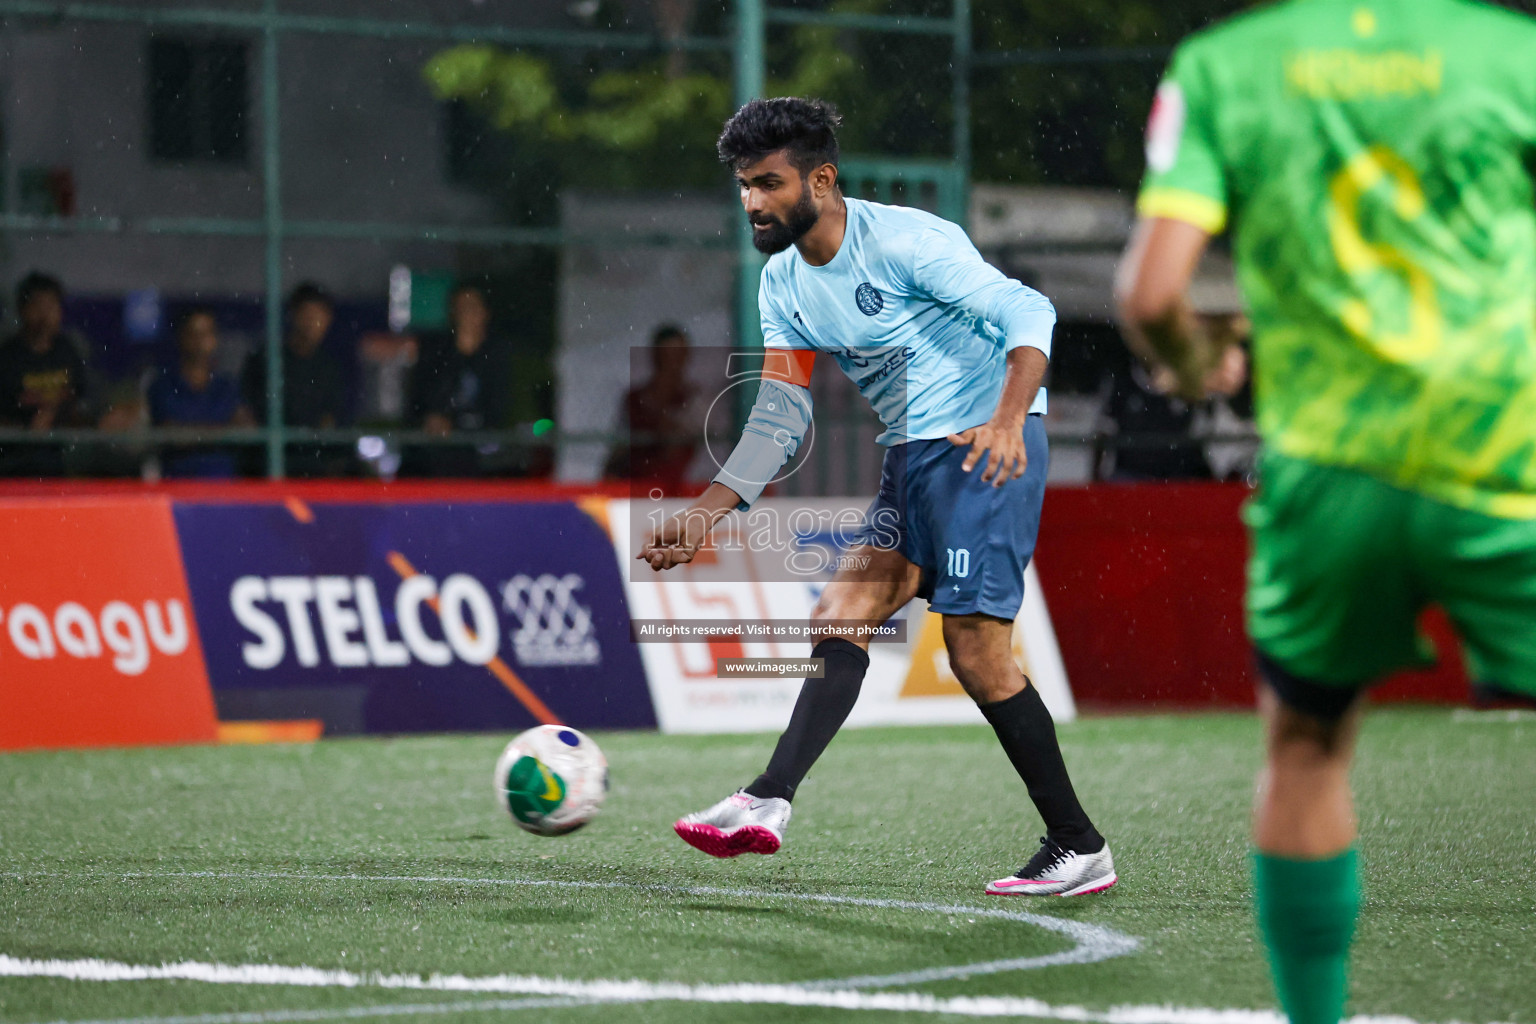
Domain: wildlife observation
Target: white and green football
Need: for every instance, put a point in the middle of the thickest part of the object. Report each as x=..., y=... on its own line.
x=552, y=780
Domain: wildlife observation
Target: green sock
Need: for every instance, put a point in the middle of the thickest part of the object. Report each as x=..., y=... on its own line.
x=1307, y=911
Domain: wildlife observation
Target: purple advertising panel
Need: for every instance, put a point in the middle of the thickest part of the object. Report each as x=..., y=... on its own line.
x=413, y=617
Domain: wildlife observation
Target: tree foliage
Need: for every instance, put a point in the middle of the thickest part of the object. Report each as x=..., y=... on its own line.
x=621, y=121
x=1072, y=112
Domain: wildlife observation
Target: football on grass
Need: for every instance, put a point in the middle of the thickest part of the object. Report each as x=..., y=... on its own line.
x=552, y=780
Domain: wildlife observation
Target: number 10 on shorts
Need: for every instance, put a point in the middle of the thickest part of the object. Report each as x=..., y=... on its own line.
x=959, y=562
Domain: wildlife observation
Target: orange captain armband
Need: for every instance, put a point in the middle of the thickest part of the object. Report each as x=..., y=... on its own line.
x=790, y=365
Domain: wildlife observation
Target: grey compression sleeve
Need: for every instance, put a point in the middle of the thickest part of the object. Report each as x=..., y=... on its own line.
x=778, y=422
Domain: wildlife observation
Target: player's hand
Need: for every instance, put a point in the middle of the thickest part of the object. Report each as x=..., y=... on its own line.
x=1003, y=446
x=665, y=556
x=1205, y=373
x=668, y=546
x=1190, y=374
x=1229, y=374
x=679, y=538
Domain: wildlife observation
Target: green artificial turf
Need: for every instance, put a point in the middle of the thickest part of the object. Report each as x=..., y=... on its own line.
x=151, y=856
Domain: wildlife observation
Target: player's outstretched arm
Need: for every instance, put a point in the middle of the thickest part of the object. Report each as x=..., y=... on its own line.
x=1151, y=293
x=679, y=538
x=1000, y=440
x=774, y=429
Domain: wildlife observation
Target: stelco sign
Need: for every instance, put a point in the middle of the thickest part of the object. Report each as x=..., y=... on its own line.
x=547, y=624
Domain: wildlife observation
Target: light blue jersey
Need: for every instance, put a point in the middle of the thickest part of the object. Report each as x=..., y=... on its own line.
x=909, y=301
x=912, y=315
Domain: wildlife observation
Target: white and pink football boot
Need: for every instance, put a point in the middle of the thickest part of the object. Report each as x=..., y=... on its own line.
x=739, y=824
x=1055, y=871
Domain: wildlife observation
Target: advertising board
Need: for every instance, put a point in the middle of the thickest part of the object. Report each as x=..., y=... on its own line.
x=736, y=582
x=410, y=617
x=98, y=645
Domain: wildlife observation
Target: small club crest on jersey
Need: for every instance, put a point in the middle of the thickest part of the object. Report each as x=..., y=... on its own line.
x=1165, y=127
x=869, y=299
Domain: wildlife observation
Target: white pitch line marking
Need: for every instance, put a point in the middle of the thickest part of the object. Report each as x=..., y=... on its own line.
x=1500, y=716
x=347, y=1013
x=1094, y=943
x=637, y=991
x=562, y=991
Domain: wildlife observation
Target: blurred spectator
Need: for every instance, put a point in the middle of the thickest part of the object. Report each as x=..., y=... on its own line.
x=314, y=387
x=462, y=382
x=663, y=417
x=1150, y=433
x=44, y=377
x=192, y=393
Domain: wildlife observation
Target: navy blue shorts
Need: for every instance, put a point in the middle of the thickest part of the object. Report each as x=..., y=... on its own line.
x=971, y=540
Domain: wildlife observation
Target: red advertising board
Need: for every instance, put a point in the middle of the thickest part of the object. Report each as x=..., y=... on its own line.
x=1145, y=587
x=98, y=646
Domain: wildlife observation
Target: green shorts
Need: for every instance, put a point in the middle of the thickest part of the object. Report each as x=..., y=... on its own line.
x=1343, y=564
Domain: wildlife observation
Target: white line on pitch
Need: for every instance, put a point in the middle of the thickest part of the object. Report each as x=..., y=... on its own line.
x=1094, y=943
x=637, y=991
x=1498, y=716
x=348, y=1013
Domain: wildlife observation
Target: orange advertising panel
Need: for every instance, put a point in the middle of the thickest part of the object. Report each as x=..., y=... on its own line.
x=98, y=646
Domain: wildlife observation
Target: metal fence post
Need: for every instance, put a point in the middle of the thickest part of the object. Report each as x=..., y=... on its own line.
x=749, y=70
x=962, y=100
x=272, y=169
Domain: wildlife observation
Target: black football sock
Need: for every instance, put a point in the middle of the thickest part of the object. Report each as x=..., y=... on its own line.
x=820, y=711
x=1024, y=727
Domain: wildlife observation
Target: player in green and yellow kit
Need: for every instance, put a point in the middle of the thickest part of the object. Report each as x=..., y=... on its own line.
x=1375, y=159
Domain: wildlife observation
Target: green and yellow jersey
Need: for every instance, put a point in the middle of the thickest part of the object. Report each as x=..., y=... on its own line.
x=1376, y=159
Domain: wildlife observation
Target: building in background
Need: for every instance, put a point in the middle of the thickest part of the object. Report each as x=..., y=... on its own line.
x=129, y=123
x=123, y=123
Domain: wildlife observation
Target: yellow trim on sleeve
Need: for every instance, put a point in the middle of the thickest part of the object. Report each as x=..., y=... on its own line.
x=1205, y=213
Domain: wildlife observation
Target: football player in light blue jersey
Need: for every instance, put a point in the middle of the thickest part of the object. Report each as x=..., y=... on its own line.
x=951, y=354
x=907, y=308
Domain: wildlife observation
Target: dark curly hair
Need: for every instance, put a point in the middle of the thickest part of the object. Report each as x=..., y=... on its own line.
x=805, y=129
x=35, y=284
x=309, y=291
